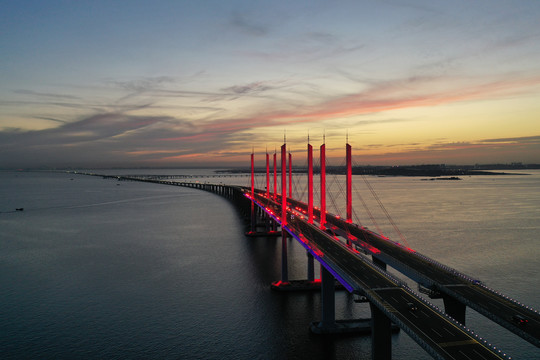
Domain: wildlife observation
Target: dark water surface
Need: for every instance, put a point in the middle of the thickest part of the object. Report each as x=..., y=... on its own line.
x=95, y=268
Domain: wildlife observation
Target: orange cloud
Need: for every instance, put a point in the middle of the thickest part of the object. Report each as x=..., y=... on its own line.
x=387, y=96
x=410, y=93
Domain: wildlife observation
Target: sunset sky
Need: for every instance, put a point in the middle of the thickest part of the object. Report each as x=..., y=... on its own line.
x=195, y=83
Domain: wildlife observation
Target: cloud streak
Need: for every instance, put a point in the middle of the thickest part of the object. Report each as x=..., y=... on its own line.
x=378, y=98
x=247, y=25
x=47, y=95
x=253, y=88
x=121, y=135
x=504, y=150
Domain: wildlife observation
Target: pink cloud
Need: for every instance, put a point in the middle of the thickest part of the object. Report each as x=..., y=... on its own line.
x=392, y=95
x=409, y=93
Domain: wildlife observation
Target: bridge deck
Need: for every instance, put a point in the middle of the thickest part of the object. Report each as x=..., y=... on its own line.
x=428, y=272
x=441, y=336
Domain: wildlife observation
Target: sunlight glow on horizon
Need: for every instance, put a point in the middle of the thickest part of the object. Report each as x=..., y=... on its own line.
x=429, y=83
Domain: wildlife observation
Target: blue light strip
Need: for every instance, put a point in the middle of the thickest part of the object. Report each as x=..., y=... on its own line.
x=307, y=247
x=326, y=265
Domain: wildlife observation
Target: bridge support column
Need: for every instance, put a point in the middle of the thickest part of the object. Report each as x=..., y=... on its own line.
x=284, y=265
x=311, y=267
x=381, y=335
x=381, y=264
x=253, y=220
x=328, y=299
x=267, y=224
x=454, y=308
x=328, y=323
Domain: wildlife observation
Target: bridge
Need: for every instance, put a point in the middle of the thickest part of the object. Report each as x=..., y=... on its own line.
x=343, y=250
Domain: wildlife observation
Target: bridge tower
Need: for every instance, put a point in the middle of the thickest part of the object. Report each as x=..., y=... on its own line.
x=267, y=218
x=284, y=266
x=349, y=182
x=253, y=217
x=311, y=259
x=310, y=182
x=275, y=176
x=290, y=175
x=348, y=153
x=256, y=213
x=323, y=186
x=267, y=175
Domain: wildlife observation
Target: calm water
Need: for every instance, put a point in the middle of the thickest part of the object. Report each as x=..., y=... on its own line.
x=95, y=268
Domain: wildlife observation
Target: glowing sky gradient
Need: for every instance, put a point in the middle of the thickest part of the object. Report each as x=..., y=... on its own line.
x=193, y=83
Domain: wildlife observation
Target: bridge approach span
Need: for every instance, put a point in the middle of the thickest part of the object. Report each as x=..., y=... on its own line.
x=438, y=277
x=437, y=333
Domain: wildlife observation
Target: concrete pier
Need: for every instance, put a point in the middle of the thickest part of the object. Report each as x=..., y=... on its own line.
x=381, y=264
x=454, y=308
x=381, y=335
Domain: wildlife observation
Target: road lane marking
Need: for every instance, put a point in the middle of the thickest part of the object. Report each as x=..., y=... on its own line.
x=482, y=356
x=448, y=331
x=462, y=353
x=458, y=343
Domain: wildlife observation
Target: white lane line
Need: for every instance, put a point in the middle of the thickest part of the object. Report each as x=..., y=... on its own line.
x=477, y=353
x=435, y=331
x=448, y=331
x=462, y=353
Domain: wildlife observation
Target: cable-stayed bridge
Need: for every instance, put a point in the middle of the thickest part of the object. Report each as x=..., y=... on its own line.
x=343, y=249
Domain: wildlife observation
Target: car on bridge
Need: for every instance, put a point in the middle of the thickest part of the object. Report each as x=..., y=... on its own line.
x=520, y=320
x=411, y=306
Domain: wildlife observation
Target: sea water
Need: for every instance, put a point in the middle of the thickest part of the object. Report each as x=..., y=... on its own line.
x=96, y=268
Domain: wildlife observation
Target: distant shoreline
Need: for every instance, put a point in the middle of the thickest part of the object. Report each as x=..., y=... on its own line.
x=413, y=170
x=436, y=170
